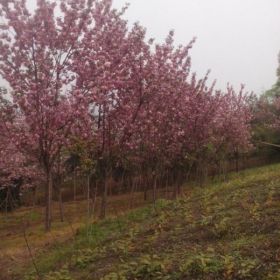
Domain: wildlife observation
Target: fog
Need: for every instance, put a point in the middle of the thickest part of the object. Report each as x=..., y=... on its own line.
x=239, y=40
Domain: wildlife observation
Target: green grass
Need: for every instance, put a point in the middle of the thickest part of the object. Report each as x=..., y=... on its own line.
x=227, y=230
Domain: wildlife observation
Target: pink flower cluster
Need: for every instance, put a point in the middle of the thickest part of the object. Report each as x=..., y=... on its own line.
x=81, y=73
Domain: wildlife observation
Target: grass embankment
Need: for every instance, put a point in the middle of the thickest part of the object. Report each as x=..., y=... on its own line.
x=225, y=231
x=14, y=256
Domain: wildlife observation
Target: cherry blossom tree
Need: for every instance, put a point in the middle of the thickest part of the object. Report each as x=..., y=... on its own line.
x=36, y=51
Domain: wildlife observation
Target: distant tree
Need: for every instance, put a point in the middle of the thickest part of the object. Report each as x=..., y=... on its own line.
x=275, y=90
x=266, y=122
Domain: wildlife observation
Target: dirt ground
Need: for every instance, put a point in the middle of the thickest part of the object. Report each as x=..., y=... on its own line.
x=29, y=222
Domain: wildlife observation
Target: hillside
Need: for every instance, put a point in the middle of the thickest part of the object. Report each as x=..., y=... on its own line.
x=228, y=230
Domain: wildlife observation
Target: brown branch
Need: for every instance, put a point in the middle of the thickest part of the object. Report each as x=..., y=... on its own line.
x=30, y=252
x=269, y=144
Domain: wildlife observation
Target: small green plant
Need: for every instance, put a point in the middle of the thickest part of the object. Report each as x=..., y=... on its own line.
x=85, y=257
x=121, y=247
x=62, y=274
x=255, y=211
x=114, y=276
x=146, y=268
x=201, y=265
x=222, y=227
x=248, y=267
x=273, y=276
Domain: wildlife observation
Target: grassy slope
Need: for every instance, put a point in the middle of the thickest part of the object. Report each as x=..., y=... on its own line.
x=13, y=250
x=225, y=231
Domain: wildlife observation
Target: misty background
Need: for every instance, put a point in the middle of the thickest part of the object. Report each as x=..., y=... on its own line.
x=238, y=40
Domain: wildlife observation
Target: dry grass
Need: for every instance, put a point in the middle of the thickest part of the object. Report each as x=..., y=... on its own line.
x=13, y=250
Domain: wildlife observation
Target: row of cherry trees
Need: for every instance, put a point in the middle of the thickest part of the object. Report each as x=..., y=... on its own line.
x=82, y=84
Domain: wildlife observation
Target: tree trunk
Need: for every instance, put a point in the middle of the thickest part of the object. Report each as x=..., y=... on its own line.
x=179, y=187
x=223, y=168
x=7, y=200
x=145, y=182
x=34, y=195
x=61, y=210
x=88, y=196
x=155, y=191
x=49, y=189
x=175, y=193
x=75, y=185
x=104, y=200
x=203, y=173
x=237, y=162
x=166, y=186
x=93, y=199
x=132, y=192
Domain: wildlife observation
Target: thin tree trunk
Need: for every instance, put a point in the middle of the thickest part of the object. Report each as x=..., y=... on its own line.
x=175, y=194
x=173, y=184
x=34, y=195
x=75, y=185
x=94, y=199
x=88, y=196
x=166, y=186
x=132, y=192
x=145, y=189
x=61, y=210
x=110, y=187
x=203, y=173
x=155, y=191
x=121, y=185
x=224, y=168
x=49, y=188
x=104, y=200
x=179, y=187
x=189, y=170
x=7, y=200
x=137, y=184
x=237, y=162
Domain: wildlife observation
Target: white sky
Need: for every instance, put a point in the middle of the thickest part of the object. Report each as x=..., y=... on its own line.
x=238, y=40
